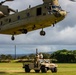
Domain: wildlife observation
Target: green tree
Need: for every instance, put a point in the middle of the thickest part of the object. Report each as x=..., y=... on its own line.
x=64, y=56
x=9, y=57
x=2, y=57
x=46, y=55
x=32, y=56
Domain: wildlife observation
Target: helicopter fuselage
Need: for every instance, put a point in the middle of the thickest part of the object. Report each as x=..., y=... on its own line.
x=34, y=18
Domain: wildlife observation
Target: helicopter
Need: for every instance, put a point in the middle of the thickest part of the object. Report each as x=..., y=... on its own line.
x=44, y=15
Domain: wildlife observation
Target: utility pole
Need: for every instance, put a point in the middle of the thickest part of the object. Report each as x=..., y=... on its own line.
x=15, y=52
x=36, y=51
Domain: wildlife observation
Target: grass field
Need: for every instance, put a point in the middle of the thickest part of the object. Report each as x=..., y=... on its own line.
x=16, y=69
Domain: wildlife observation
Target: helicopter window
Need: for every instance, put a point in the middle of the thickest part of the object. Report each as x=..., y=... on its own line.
x=39, y=11
x=53, y=6
x=18, y=17
x=49, y=10
x=9, y=20
x=54, y=11
x=28, y=14
x=1, y=22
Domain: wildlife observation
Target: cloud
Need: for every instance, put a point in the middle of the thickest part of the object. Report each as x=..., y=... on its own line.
x=27, y=49
x=63, y=33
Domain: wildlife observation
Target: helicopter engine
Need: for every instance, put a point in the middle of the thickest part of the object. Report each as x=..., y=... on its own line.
x=4, y=9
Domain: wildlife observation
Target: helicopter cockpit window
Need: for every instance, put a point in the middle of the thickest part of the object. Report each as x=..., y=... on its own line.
x=53, y=6
x=57, y=7
x=39, y=11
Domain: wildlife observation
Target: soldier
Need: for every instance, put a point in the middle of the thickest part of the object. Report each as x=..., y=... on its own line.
x=41, y=56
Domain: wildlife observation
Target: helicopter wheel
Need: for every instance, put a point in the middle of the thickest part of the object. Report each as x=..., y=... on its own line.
x=24, y=31
x=42, y=33
x=12, y=38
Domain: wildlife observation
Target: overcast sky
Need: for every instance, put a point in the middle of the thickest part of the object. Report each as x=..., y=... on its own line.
x=63, y=34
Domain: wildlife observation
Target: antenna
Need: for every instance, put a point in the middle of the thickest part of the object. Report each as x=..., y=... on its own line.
x=36, y=51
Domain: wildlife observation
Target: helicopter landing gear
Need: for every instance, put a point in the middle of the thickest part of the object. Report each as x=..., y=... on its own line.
x=53, y=24
x=42, y=33
x=24, y=31
x=12, y=38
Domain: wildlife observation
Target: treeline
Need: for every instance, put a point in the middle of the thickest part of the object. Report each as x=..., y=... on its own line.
x=5, y=58
x=64, y=56
x=60, y=56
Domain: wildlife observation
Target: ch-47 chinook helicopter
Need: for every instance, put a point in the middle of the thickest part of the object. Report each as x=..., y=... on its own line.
x=41, y=16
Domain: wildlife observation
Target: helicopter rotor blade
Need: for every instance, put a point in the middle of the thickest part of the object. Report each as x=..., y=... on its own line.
x=9, y=0
x=5, y=1
x=73, y=0
x=2, y=2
